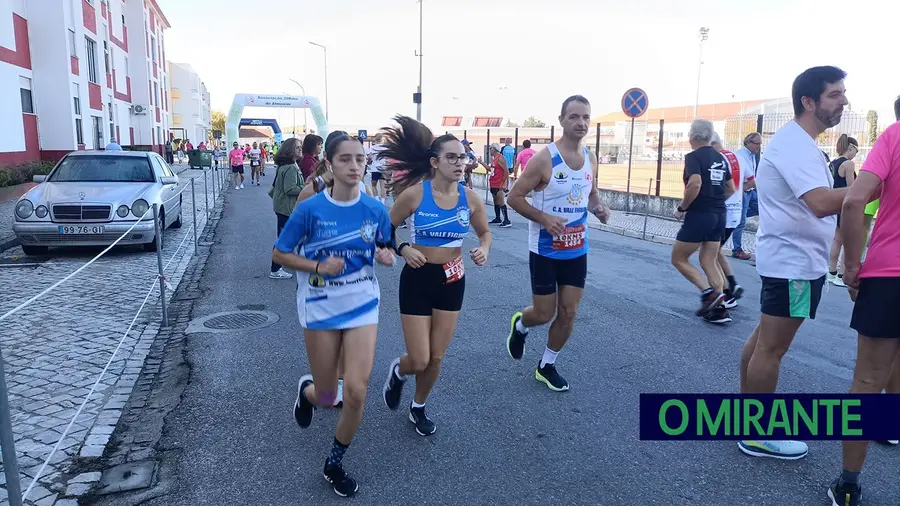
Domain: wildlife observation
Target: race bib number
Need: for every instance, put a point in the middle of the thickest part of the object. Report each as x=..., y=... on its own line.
x=571, y=238
x=454, y=270
x=254, y=163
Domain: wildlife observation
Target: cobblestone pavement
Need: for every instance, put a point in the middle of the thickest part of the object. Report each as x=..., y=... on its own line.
x=57, y=347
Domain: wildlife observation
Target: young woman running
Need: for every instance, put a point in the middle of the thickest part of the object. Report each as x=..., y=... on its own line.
x=432, y=283
x=341, y=234
x=843, y=171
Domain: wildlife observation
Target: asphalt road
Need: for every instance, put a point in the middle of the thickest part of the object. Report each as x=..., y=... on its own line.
x=502, y=438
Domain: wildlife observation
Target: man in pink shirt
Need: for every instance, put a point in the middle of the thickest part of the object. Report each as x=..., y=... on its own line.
x=522, y=158
x=236, y=155
x=875, y=286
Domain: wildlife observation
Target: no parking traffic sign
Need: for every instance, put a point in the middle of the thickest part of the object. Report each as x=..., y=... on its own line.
x=635, y=102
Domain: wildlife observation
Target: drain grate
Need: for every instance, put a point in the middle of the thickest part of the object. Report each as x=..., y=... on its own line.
x=233, y=321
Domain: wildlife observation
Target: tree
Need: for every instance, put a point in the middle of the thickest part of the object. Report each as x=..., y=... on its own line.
x=218, y=120
x=872, y=118
x=533, y=122
x=511, y=124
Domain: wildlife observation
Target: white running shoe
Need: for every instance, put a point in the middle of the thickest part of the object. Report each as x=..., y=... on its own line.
x=836, y=280
x=280, y=274
x=339, y=399
x=242, y=186
x=237, y=188
x=784, y=450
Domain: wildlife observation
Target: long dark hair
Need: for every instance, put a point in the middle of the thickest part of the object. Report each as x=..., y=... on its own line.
x=285, y=154
x=309, y=144
x=843, y=144
x=331, y=144
x=409, y=147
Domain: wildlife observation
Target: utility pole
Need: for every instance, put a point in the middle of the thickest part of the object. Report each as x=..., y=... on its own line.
x=704, y=34
x=419, y=54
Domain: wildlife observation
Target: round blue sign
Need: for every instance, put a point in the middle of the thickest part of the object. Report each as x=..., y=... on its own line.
x=635, y=102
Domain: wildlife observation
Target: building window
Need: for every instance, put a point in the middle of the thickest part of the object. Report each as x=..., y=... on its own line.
x=76, y=98
x=72, y=49
x=25, y=92
x=156, y=93
x=97, y=123
x=452, y=121
x=79, y=132
x=126, y=66
x=106, y=55
x=91, y=56
x=153, y=48
x=123, y=20
x=484, y=121
x=112, y=124
x=159, y=134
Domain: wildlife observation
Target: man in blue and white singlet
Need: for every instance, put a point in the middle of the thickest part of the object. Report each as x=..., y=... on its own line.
x=563, y=180
x=340, y=233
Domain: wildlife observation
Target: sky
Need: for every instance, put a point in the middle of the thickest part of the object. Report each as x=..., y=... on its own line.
x=521, y=58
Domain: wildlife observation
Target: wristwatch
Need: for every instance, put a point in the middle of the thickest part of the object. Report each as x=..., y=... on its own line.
x=680, y=210
x=400, y=248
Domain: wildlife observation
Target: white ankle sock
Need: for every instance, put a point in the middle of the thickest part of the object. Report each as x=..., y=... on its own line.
x=416, y=405
x=521, y=328
x=549, y=357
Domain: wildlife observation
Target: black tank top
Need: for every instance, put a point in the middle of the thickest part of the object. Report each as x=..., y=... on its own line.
x=839, y=180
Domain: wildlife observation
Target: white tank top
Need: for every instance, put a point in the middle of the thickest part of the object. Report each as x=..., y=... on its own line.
x=565, y=196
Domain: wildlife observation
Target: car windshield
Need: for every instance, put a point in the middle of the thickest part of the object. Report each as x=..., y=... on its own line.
x=103, y=169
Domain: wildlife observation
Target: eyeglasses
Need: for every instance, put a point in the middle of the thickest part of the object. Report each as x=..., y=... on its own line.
x=455, y=158
x=758, y=143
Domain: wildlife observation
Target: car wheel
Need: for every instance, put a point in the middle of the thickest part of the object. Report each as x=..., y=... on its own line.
x=35, y=251
x=154, y=245
x=177, y=223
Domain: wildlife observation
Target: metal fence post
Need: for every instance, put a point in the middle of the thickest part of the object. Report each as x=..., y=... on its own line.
x=552, y=133
x=214, y=193
x=647, y=210
x=206, y=193
x=159, y=262
x=8, y=445
x=659, y=156
x=487, y=176
x=597, y=144
x=194, y=212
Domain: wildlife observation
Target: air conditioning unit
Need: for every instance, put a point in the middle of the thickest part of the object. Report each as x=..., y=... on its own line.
x=138, y=109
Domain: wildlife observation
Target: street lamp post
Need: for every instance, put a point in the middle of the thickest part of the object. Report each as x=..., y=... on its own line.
x=304, y=109
x=325, y=55
x=704, y=34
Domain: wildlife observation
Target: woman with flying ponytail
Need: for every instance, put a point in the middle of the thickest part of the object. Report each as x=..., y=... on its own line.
x=438, y=209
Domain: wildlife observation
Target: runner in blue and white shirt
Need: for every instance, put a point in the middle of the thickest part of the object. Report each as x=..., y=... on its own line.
x=340, y=233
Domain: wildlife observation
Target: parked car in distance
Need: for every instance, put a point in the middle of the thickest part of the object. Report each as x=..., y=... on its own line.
x=91, y=198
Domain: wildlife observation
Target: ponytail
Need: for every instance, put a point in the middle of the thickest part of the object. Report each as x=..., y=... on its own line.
x=843, y=144
x=408, y=150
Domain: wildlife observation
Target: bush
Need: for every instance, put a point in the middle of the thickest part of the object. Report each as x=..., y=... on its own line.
x=23, y=173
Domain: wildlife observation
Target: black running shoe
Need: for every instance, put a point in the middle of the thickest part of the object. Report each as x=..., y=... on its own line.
x=506, y=224
x=495, y=221
x=515, y=343
x=303, y=409
x=344, y=485
x=393, y=386
x=424, y=425
x=548, y=376
x=719, y=315
x=737, y=291
x=730, y=301
x=709, y=301
x=844, y=495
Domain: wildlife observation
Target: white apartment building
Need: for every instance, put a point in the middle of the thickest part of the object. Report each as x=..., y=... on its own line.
x=190, y=104
x=78, y=73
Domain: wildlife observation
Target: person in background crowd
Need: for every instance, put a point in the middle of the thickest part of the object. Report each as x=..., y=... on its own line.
x=312, y=147
x=707, y=185
x=797, y=222
x=263, y=158
x=187, y=145
x=499, y=181
x=747, y=159
x=181, y=154
x=202, y=146
x=236, y=156
x=522, y=158
x=113, y=145
x=875, y=288
x=255, y=164
x=509, y=154
x=285, y=190
x=471, y=163
x=375, y=164
x=843, y=170
x=170, y=155
x=733, y=291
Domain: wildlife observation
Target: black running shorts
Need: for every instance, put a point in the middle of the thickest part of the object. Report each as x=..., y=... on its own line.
x=876, y=311
x=702, y=227
x=791, y=298
x=727, y=235
x=549, y=273
x=432, y=286
x=237, y=169
x=377, y=176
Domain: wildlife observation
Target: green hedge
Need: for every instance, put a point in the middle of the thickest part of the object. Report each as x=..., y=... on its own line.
x=23, y=173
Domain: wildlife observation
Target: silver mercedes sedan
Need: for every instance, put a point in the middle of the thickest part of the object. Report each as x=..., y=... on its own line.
x=91, y=198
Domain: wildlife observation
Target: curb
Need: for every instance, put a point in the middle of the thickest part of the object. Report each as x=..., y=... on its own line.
x=659, y=239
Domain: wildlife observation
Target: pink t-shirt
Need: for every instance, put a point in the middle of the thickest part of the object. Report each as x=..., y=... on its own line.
x=524, y=156
x=883, y=258
x=237, y=157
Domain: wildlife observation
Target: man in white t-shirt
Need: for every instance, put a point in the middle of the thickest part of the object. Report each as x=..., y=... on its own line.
x=733, y=290
x=797, y=208
x=375, y=165
x=255, y=164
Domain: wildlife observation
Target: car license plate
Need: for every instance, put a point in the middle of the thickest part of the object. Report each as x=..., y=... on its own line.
x=80, y=229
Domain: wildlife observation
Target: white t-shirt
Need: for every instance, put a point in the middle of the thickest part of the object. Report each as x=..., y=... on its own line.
x=734, y=204
x=792, y=243
x=376, y=160
x=254, y=156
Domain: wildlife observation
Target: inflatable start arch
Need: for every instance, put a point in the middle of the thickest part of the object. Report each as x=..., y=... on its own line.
x=242, y=100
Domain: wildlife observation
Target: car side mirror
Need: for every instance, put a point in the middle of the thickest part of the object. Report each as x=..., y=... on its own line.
x=167, y=180
x=39, y=179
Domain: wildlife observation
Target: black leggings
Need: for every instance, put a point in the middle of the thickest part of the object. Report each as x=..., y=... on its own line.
x=282, y=220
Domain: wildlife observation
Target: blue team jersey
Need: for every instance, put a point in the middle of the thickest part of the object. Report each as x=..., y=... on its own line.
x=322, y=227
x=433, y=226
